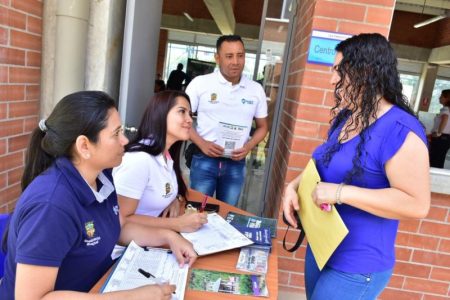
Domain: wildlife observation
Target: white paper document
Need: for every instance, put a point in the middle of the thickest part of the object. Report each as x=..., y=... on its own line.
x=215, y=236
x=231, y=137
x=160, y=263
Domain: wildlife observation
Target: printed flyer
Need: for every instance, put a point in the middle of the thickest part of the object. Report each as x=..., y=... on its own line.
x=230, y=283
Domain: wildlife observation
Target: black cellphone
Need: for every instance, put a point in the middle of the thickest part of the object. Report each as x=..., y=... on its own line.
x=210, y=207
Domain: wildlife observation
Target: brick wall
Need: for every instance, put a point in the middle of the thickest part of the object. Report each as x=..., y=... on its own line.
x=422, y=270
x=20, y=61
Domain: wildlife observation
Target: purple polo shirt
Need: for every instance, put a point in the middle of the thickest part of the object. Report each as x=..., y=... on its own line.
x=59, y=222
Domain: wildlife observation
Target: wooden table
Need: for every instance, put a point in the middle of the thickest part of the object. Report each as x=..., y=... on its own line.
x=223, y=261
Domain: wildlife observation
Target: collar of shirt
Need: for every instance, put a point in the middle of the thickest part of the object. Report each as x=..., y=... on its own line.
x=162, y=162
x=83, y=191
x=105, y=190
x=222, y=80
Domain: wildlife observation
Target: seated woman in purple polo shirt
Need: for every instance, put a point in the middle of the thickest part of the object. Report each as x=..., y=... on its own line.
x=66, y=222
x=374, y=169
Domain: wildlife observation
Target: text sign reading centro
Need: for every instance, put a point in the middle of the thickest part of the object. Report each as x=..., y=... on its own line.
x=321, y=49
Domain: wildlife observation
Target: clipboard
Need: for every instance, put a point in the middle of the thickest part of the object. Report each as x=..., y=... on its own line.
x=324, y=230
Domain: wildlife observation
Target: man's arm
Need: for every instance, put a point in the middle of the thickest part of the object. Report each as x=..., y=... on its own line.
x=258, y=136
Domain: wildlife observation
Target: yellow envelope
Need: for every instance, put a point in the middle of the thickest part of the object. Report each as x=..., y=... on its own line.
x=324, y=230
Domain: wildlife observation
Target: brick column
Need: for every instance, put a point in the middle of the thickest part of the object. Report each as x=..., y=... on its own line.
x=20, y=63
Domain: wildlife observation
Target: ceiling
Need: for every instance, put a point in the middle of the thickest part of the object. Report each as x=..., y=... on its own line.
x=211, y=18
x=244, y=17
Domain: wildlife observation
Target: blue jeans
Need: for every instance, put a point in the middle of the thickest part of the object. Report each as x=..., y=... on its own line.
x=331, y=284
x=222, y=175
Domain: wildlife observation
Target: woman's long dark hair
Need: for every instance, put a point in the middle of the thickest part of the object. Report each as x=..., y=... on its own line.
x=153, y=127
x=82, y=113
x=368, y=72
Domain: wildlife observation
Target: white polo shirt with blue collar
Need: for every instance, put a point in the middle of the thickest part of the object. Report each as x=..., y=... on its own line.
x=59, y=221
x=217, y=100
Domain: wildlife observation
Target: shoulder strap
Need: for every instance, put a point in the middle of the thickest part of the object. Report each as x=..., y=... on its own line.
x=300, y=239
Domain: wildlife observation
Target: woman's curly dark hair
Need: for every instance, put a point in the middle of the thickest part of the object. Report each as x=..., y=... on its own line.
x=368, y=73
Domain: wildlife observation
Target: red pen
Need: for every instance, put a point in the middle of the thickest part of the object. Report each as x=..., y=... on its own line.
x=202, y=208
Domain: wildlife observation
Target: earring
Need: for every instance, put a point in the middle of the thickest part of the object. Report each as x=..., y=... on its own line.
x=87, y=156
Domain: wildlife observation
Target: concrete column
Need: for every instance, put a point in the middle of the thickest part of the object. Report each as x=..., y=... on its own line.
x=104, y=46
x=140, y=52
x=428, y=77
x=64, y=50
x=71, y=40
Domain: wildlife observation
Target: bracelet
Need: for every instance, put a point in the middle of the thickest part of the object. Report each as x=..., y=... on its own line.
x=338, y=193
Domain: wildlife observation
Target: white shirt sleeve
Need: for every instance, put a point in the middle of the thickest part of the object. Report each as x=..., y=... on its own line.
x=261, y=109
x=132, y=176
x=192, y=92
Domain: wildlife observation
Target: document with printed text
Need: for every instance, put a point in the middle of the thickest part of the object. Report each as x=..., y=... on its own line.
x=215, y=236
x=141, y=266
x=231, y=137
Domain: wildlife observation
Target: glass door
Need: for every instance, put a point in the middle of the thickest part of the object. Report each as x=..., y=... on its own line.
x=268, y=72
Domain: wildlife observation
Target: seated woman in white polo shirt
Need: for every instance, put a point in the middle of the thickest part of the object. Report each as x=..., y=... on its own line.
x=149, y=183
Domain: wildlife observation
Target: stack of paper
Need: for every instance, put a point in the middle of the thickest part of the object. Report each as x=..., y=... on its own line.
x=216, y=236
x=160, y=263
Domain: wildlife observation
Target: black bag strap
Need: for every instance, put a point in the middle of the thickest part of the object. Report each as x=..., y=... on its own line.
x=301, y=235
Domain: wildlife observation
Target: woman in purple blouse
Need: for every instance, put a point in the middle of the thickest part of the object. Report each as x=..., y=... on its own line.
x=374, y=169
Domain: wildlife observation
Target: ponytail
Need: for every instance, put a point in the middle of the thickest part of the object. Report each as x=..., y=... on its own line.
x=37, y=160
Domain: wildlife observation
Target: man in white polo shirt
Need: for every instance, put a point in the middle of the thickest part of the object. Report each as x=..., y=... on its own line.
x=226, y=104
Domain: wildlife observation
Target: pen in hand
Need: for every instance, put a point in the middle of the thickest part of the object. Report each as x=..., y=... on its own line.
x=202, y=208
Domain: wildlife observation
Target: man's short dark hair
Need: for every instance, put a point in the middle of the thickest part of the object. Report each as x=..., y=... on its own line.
x=228, y=38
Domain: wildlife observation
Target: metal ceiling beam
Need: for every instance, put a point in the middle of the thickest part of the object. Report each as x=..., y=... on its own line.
x=180, y=23
x=223, y=15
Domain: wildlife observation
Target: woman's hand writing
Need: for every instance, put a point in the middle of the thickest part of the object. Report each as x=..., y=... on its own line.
x=191, y=222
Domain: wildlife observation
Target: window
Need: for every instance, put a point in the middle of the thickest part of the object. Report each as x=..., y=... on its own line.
x=439, y=85
x=410, y=84
x=179, y=53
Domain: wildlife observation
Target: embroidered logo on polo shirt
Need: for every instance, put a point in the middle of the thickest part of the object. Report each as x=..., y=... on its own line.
x=245, y=101
x=168, y=189
x=213, y=99
x=90, y=232
x=90, y=229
